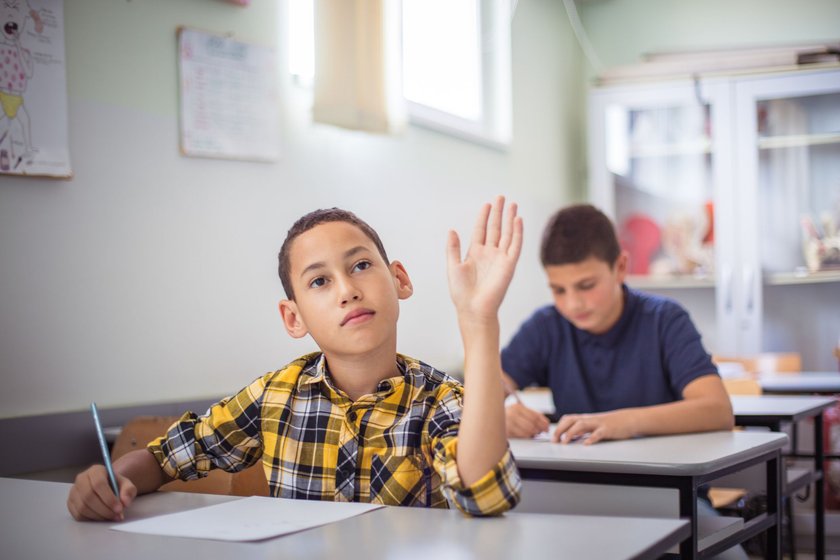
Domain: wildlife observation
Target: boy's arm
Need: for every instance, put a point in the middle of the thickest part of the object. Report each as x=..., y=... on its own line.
x=91, y=497
x=477, y=286
x=705, y=407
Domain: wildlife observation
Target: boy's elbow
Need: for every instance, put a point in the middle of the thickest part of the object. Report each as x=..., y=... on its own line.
x=725, y=416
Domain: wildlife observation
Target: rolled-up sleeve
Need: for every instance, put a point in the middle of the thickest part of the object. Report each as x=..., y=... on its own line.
x=226, y=437
x=494, y=493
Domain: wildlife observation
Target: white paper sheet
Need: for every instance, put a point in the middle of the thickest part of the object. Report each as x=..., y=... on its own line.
x=541, y=401
x=248, y=519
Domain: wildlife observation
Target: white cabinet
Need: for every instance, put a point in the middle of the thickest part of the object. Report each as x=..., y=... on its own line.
x=714, y=186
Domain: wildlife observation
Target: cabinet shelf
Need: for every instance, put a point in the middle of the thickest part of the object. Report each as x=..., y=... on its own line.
x=689, y=148
x=798, y=140
x=667, y=282
x=790, y=278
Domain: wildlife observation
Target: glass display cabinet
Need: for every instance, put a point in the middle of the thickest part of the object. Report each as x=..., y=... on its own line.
x=725, y=192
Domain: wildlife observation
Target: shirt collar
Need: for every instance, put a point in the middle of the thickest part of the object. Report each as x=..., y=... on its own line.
x=317, y=372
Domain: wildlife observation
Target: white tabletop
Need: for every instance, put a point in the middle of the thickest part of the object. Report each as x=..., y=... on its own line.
x=803, y=382
x=35, y=525
x=680, y=455
x=787, y=406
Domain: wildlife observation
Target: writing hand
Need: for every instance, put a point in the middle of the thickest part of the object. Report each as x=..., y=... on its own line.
x=523, y=422
x=92, y=498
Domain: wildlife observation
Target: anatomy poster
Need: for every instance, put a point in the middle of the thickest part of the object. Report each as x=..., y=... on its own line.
x=33, y=89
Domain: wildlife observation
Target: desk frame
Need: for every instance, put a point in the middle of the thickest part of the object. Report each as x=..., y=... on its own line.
x=774, y=423
x=687, y=486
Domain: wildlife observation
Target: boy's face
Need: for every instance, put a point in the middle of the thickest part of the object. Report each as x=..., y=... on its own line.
x=346, y=295
x=589, y=293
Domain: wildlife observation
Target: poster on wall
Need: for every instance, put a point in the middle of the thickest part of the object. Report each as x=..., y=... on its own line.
x=33, y=89
x=228, y=98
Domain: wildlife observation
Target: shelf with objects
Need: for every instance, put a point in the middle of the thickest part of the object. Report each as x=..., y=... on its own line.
x=725, y=191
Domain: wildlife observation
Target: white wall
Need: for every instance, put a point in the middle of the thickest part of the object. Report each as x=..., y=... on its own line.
x=152, y=277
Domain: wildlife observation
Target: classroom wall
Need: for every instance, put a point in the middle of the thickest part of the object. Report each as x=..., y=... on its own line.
x=621, y=31
x=151, y=277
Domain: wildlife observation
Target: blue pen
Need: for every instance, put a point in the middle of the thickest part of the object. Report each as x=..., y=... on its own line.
x=103, y=445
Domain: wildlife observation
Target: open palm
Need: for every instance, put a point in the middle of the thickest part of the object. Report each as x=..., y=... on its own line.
x=477, y=284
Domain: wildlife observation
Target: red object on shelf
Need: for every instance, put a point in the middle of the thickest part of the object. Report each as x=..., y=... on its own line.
x=709, y=238
x=641, y=237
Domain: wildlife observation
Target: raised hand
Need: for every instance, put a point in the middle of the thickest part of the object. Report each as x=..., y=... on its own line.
x=477, y=284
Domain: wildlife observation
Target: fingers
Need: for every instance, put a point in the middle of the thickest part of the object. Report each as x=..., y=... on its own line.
x=596, y=436
x=494, y=225
x=453, y=250
x=570, y=427
x=480, y=228
x=515, y=247
x=127, y=491
x=507, y=230
x=522, y=422
x=91, y=497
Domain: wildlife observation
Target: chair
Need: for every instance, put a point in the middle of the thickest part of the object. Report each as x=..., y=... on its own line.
x=762, y=363
x=143, y=429
x=765, y=362
x=742, y=386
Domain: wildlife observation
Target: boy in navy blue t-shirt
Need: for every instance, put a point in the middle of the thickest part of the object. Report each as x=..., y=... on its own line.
x=619, y=363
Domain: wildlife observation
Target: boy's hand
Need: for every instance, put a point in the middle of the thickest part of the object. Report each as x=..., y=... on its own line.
x=91, y=497
x=479, y=282
x=606, y=425
x=523, y=422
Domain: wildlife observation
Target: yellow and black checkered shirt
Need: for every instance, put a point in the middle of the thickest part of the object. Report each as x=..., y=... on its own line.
x=396, y=446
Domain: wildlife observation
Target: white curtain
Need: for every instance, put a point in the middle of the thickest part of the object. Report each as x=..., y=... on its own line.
x=358, y=75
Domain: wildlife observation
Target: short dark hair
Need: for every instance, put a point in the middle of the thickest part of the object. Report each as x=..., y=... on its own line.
x=578, y=232
x=309, y=221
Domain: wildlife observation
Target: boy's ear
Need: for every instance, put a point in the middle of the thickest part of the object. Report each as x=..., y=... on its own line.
x=621, y=265
x=401, y=280
x=291, y=319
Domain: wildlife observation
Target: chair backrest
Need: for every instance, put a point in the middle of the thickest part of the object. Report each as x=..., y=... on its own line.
x=143, y=429
x=742, y=386
x=765, y=362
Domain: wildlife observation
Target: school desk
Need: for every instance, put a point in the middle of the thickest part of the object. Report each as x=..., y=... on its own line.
x=772, y=411
x=35, y=524
x=821, y=382
x=681, y=462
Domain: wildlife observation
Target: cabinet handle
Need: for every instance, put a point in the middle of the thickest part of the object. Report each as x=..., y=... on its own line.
x=749, y=276
x=727, y=288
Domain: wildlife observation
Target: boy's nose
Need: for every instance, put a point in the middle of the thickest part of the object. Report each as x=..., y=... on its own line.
x=349, y=292
x=575, y=302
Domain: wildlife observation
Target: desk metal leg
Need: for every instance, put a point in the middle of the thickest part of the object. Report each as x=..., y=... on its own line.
x=819, y=494
x=688, y=509
x=774, y=507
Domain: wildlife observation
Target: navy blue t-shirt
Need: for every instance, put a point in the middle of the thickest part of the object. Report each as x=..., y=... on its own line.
x=647, y=358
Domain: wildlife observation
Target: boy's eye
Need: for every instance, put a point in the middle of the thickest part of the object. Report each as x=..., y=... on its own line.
x=317, y=282
x=362, y=265
x=587, y=286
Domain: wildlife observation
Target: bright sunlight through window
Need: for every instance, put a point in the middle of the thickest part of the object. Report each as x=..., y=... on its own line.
x=455, y=66
x=442, y=55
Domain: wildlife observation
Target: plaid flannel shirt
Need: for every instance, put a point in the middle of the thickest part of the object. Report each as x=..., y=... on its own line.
x=396, y=446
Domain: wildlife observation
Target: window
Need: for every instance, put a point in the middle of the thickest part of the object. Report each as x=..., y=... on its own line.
x=455, y=64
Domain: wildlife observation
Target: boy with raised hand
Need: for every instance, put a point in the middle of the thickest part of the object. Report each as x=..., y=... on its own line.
x=355, y=421
x=620, y=363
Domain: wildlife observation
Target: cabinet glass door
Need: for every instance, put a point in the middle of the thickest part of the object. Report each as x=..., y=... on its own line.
x=659, y=161
x=660, y=167
x=789, y=177
x=799, y=185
